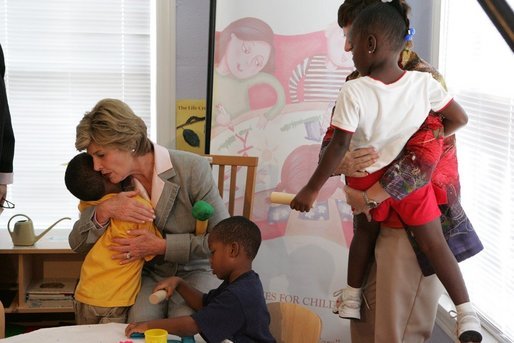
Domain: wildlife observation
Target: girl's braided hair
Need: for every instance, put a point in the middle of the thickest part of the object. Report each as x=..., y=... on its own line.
x=349, y=10
x=390, y=19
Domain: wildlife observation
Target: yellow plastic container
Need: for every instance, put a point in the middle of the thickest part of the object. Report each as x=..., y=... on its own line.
x=156, y=336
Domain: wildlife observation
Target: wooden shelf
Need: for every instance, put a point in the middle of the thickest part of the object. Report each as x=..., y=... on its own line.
x=54, y=242
x=50, y=258
x=24, y=309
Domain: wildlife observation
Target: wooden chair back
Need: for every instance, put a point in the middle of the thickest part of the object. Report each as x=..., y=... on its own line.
x=292, y=323
x=227, y=168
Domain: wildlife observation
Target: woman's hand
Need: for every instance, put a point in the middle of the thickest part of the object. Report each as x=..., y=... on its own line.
x=139, y=327
x=356, y=161
x=143, y=243
x=124, y=207
x=355, y=199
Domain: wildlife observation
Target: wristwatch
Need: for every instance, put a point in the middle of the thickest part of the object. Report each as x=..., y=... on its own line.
x=369, y=202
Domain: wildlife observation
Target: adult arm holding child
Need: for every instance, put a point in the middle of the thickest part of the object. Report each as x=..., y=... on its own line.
x=94, y=220
x=125, y=208
x=356, y=161
x=454, y=117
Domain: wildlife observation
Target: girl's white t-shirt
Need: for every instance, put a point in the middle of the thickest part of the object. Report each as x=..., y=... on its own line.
x=386, y=116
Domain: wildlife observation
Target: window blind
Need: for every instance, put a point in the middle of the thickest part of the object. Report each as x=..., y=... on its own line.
x=479, y=69
x=62, y=56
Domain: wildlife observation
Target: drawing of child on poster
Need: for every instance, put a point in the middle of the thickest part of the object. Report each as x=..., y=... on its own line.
x=244, y=58
x=312, y=67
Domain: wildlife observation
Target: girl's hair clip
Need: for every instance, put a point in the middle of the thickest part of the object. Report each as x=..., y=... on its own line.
x=384, y=1
x=410, y=33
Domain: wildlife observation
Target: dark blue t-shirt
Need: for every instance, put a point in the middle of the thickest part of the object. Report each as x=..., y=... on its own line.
x=236, y=311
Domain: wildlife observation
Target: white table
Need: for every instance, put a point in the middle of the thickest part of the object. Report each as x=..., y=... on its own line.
x=100, y=333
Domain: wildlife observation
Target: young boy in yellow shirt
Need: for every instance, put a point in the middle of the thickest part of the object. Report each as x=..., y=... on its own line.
x=106, y=288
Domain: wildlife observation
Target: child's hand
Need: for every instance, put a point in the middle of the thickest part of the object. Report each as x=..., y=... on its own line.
x=139, y=327
x=169, y=285
x=304, y=200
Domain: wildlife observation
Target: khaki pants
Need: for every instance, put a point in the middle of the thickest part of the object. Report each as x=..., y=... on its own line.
x=402, y=302
x=89, y=314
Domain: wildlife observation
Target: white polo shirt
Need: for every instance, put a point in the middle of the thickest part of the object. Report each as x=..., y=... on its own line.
x=386, y=116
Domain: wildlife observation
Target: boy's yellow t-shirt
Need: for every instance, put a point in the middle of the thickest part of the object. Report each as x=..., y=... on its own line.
x=103, y=280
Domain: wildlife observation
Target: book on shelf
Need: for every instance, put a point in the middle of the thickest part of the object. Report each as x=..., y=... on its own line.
x=49, y=296
x=45, y=303
x=47, y=293
x=51, y=288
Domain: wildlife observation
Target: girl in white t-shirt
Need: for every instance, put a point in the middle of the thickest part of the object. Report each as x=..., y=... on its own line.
x=383, y=109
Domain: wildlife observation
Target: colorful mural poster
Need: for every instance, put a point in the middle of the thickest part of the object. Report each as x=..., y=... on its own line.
x=277, y=70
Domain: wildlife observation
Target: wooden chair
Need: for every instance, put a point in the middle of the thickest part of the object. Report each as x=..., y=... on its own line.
x=227, y=168
x=292, y=323
x=2, y=320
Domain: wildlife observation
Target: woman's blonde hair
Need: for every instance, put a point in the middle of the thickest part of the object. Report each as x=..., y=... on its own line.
x=112, y=123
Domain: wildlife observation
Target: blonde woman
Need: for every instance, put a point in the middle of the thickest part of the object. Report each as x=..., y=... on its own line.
x=172, y=180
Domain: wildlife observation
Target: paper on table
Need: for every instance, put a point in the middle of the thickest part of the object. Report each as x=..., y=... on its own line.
x=100, y=333
x=108, y=333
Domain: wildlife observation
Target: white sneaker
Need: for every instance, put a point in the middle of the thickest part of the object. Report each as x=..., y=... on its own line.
x=347, y=306
x=468, y=327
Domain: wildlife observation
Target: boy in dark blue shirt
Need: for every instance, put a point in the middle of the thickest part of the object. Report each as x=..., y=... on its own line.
x=236, y=310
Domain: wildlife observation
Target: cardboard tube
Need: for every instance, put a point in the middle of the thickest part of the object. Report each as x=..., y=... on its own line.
x=201, y=227
x=157, y=297
x=202, y=211
x=281, y=198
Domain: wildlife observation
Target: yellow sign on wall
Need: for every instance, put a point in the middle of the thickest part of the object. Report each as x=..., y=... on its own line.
x=190, y=125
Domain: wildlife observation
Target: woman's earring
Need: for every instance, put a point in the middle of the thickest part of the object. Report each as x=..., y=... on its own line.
x=133, y=150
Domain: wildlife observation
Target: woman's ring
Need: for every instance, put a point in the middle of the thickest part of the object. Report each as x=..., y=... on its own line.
x=127, y=255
